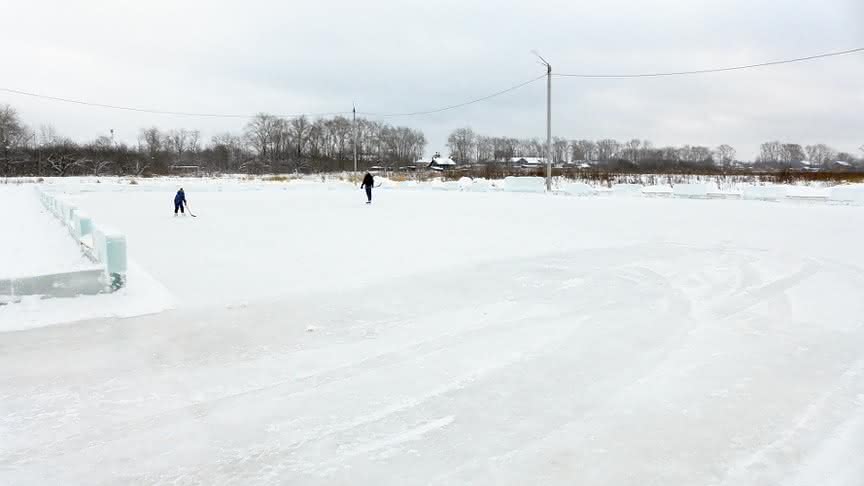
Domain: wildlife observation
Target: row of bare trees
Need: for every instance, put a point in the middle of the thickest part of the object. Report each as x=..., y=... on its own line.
x=467, y=147
x=299, y=140
x=267, y=143
x=273, y=144
x=819, y=155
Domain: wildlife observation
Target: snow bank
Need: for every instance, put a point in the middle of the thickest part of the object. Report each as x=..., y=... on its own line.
x=481, y=185
x=764, y=193
x=627, y=190
x=807, y=193
x=692, y=191
x=465, y=183
x=444, y=185
x=524, y=184
x=853, y=193
x=33, y=243
x=578, y=189
x=657, y=191
x=474, y=185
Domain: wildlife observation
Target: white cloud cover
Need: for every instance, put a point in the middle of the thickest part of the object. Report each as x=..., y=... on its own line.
x=395, y=56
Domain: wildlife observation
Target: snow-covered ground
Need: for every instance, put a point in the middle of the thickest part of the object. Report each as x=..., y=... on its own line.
x=453, y=338
x=32, y=242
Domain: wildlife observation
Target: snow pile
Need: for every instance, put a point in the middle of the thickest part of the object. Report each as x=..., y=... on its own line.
x=763, y=193
x=465, y=183
x=853, y=193
x=481, y=185
x=627, y=190
x=690, y=191
x=524, y=184
x=440, y=185
x=657, y=191
x=807, y=193
x=33, y=242
x=578, y=189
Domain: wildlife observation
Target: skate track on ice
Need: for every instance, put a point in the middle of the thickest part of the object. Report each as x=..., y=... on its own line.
x=727, y=354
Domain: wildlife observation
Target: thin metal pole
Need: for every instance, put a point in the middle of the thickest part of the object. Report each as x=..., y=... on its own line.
x=548, y=120
x=548, y=127
x=354, y=114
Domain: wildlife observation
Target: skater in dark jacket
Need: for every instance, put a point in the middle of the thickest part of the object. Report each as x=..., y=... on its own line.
x=179, y=202
x=368, y=182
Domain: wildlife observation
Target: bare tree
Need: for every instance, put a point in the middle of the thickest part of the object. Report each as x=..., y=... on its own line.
x=792, y=152
x=583, y=150
x=646, y=150
x=12, y=132
x=228, y=151
x=771, y=152
x=299, y=133
x=820, y=154
x=631, y=150
x=47, y=135
x=485, y=148
x=260, y=133
x=100, y=152
x=151, y=139
x=559, y=150
x=177, y=141
x=725, y=155
x=194, y=144
x=607, y=149
x=462, y=145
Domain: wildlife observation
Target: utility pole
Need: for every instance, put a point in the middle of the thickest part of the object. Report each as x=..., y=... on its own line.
x=354, y=115
x=548, y=121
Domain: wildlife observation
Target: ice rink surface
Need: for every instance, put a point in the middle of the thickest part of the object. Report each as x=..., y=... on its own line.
x=454, y=338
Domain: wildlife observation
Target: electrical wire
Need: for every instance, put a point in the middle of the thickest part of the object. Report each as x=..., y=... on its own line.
x=445, y=108
x=713, y=70
x=160, y=112
x=460, y=105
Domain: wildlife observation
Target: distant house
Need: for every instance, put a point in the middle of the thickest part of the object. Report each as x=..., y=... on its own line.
x=437, y=162
x=528, y=162
x=579, y=164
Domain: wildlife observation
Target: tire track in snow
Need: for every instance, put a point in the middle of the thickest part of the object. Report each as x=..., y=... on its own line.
x=414, y=352
x=751, y=297
x=741, y=471
x=681, y=304
x=280, y=454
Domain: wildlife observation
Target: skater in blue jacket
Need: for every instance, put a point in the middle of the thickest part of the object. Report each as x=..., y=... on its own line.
x=179, y=202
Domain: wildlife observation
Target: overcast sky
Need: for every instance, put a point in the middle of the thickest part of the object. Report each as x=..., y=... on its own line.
x=283, y=56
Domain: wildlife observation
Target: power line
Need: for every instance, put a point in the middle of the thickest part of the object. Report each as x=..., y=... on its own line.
x=460, y=105
x=713, y=70
x=159, y=112
x=221, y=115
x=445, y=108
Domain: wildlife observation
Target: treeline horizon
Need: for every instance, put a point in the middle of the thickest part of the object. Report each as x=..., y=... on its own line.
x=269, y=144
